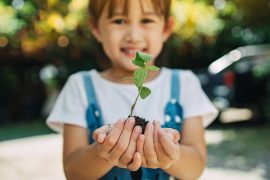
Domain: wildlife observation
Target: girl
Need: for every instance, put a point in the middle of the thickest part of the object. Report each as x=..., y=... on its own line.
x=90, y=100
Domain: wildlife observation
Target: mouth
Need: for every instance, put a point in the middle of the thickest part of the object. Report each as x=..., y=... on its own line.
x=131, y=52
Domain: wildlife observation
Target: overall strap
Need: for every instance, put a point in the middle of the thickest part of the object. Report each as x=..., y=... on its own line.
x=175, y=85
x=94, y=121
x=173, y=110
x=93, y=113
x=89, y=88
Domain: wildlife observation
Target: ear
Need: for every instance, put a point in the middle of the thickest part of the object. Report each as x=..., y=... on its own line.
x=168, y=29
x=95, y=29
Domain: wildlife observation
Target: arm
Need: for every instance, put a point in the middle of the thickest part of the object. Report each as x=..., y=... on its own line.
x=84, y=161
x=79, y=156
x=185, y=160
x=192, y=154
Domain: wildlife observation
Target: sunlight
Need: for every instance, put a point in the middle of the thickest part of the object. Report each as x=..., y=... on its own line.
x=56, y=21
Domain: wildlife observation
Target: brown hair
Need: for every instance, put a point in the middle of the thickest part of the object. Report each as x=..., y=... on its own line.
x=162, y=7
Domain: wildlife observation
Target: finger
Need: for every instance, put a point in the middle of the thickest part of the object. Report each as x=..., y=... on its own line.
x=128, y=155
x=101, y=137
x=140, y=144
x=156, y=140
x=149, y=150
x=124, y=139
x=157, y=145
x=136, y=163
x=175, y=133
x=101, y=133
x=163, y=159
x=113, y=137
x=171, y=149
x=101, y=130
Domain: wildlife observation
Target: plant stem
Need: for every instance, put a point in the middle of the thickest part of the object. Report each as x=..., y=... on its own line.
x=133, y=105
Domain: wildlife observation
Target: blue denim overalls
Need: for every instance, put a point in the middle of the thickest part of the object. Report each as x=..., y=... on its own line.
x=173, y=115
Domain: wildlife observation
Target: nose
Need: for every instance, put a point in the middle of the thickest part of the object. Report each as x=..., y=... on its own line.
x=134, y=34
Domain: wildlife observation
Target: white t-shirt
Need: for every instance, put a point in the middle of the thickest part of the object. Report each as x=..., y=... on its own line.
x=115, y=100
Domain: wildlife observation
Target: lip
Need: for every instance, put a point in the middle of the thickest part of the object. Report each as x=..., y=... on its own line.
x=131, y=51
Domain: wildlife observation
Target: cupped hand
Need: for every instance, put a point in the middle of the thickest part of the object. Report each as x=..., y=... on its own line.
x=117, y=144
x=161, y=148
x=100, y=134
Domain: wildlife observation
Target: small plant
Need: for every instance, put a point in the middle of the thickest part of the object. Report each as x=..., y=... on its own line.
x=138, y=78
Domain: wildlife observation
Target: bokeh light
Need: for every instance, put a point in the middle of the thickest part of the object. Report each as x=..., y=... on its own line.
x=219, y=4
x=3, y=41
x=195, y=18
x=18, y=4
x=63, y=41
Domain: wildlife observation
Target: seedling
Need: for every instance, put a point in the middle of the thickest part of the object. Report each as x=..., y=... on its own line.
x=138, y=78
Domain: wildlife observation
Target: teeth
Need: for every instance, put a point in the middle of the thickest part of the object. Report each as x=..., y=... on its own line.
x=131, y=51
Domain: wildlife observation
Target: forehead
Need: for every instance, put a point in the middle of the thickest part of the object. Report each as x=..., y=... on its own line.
x=125, y=6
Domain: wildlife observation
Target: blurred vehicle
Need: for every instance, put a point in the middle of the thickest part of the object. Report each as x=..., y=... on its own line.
x=238, y=84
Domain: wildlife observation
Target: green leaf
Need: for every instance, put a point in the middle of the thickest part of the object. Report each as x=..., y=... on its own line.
x=139, y=77
x=152, y=68
x=145, y=91
x=138, y=63
x=140, y=56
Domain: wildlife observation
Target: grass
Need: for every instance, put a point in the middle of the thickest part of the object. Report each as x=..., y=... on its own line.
x=23, y=129
x=244, y=148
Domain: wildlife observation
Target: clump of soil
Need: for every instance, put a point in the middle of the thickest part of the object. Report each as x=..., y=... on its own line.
x=140, y=122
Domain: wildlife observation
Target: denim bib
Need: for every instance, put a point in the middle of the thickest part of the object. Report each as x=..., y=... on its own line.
x=173, y=115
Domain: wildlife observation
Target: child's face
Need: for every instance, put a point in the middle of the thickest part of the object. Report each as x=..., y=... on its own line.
x=122, y=35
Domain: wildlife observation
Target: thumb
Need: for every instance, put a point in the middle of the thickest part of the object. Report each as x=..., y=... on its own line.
x=102, y=132
x=175, y=134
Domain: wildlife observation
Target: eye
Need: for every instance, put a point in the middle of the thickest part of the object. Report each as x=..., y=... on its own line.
x=147, y=20
x=119, y=21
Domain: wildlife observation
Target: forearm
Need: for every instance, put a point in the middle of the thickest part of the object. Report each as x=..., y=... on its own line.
x=190, y=164
x=85, y=164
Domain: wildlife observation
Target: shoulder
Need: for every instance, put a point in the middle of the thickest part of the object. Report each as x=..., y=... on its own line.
x=76, y=78
x=185, y=75
x=79, y=74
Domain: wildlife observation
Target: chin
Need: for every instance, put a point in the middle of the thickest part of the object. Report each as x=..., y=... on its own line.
x=130, y=66
x=131, y=69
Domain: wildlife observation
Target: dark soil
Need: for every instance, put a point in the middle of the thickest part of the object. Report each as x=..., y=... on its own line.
x=140, y=122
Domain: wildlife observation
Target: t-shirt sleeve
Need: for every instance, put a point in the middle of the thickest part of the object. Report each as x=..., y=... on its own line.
x=69, y=107
x=195, y=101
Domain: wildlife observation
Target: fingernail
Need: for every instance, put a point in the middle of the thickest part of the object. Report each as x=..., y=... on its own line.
x=131, y=120
x=101, y=137
x=138, y=156
x=149, y=124
x=121, y=121
x=138, y=129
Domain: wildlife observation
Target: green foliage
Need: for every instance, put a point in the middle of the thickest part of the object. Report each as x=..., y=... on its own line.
x=145, y=91
x=205, y=30
x=140, y=75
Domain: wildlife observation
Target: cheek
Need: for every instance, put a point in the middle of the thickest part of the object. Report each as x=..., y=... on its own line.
x=111, y=42
x=156, y=39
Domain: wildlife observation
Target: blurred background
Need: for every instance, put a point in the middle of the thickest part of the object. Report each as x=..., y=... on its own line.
x=225, y=42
